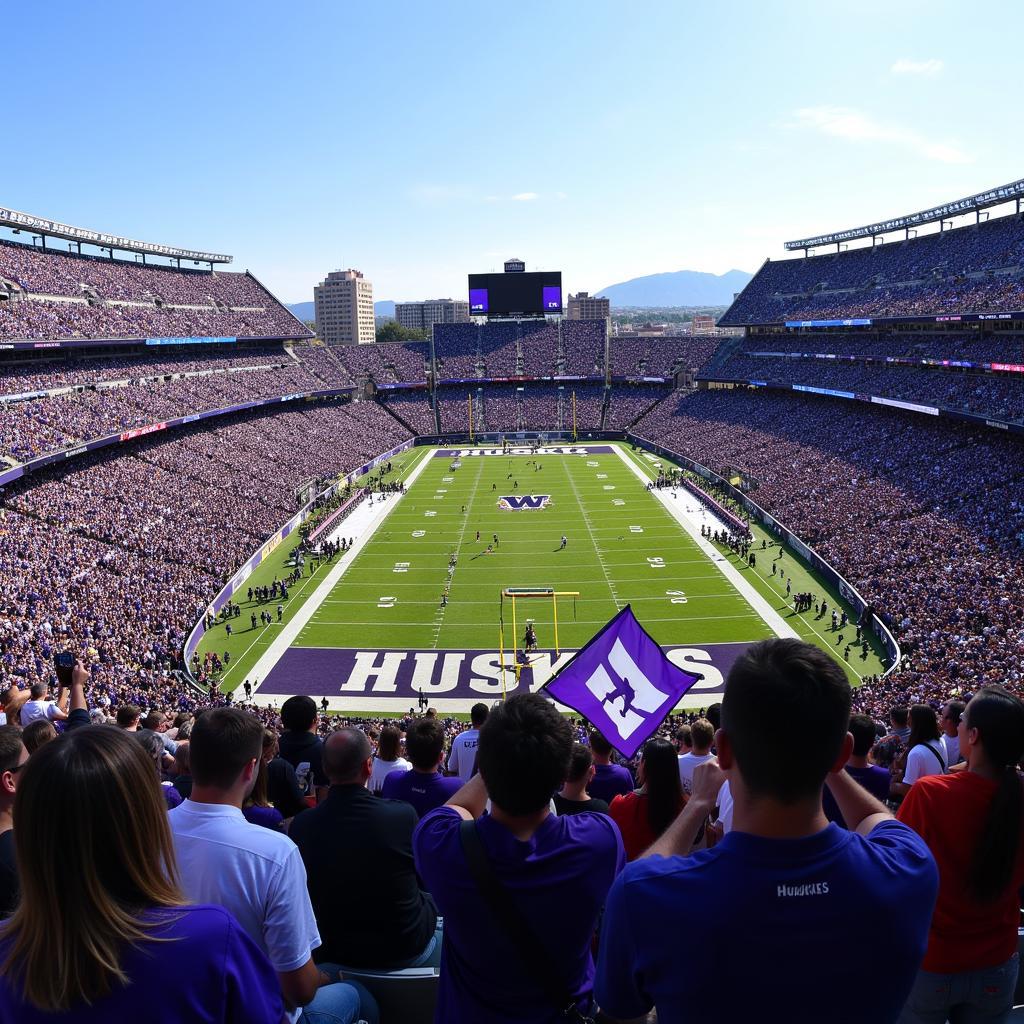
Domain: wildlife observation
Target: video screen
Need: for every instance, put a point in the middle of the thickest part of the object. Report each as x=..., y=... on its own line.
x=532, y=294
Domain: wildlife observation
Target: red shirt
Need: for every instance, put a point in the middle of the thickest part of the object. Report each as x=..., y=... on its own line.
x=629, y=812
x=948, y=812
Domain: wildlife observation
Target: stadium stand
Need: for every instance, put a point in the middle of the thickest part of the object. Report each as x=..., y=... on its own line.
x=456, y=351
x=583, y=344
x=138, y=544
x=1000, y=396
x=52, y=295
x=659, y=357
x=974, y=269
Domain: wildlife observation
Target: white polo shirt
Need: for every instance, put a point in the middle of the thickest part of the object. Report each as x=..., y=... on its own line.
x=254, y=872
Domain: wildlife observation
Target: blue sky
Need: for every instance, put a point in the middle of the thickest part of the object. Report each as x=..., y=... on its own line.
x=419, y=142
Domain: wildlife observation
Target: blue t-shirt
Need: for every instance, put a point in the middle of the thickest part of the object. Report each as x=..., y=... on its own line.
x=778, y=929
x=558, y=878
x=424, y=792
x=610, y=781
x=210, y=973
x=874, y=779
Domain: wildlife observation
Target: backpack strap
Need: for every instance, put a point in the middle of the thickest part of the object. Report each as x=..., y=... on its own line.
x=515, y=925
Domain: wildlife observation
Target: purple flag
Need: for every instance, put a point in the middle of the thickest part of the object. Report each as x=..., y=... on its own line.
x=622, y=682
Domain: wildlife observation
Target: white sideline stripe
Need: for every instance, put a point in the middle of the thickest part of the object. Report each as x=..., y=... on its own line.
x=677, y=509
x=361, y=532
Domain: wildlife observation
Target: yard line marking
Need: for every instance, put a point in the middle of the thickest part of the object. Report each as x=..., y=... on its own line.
x=439, y=616
x=775, y=622
x=593, y=539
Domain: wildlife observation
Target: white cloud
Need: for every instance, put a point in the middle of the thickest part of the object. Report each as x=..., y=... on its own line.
x=856, y=126
x=525, y=197
x=906, y=66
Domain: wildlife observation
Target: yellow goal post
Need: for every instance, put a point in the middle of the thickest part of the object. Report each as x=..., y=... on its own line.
x=512, y=595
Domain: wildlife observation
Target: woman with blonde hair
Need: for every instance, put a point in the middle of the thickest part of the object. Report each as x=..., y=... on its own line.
x=102, y=923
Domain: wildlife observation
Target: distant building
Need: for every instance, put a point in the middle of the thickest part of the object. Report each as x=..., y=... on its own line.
x=421, y=316
x=703, y=324
x=344, y=309
x=587, y=307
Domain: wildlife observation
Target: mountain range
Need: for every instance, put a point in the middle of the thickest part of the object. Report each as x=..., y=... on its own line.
x=678, y=288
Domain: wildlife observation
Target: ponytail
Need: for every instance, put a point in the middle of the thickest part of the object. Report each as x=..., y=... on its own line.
x=999, y=718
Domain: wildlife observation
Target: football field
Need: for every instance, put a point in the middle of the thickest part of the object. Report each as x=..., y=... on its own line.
x=622, y=547
x=415, y=606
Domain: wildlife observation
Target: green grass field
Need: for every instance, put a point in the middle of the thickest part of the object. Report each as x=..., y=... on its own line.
x=623, y=548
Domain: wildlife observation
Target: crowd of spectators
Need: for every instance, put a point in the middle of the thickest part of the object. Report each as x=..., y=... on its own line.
x=628, y=402
x=122, y=551
x=659, y=357
x=34, y=427
x=972, y=269
x=998, y=396
x=50, y=294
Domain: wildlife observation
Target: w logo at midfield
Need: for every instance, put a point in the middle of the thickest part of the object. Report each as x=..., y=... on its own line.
x=519, y=502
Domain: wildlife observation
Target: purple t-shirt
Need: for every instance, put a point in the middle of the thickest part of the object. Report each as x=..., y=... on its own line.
x=424, y=792
x=874, y=779
x=610, y=781
x=558, y=878
x=219, y=976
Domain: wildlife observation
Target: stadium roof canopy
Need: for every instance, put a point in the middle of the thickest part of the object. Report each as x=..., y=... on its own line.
x=54, y=229
x=972, y=204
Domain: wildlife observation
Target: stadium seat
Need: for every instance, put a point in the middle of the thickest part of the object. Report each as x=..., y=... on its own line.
x=1018, y=995
x=407, y=996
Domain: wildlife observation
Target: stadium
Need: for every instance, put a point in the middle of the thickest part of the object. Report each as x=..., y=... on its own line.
x=212, y=508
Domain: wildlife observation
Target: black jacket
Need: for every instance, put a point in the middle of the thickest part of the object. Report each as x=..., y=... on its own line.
x=362, y=881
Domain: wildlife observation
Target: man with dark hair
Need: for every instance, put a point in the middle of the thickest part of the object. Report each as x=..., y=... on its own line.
x=786, y=901
x=13, y=757
x=555, y=871
x=300, y=745
x=949, y=725
x=900, y=719
x=157, y=721
x=424, y=787
x=573, y=797
x=357, y=851
x=127, y=717
x=462, y=759
x=874, y=779
x=610, y=780
x=255, y=872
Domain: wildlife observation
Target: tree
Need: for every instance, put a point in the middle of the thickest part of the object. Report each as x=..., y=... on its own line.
x=392, y=330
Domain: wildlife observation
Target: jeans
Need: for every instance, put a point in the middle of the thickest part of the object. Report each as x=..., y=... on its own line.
x=431, y=955
x=971, y=997
x=342, y=1002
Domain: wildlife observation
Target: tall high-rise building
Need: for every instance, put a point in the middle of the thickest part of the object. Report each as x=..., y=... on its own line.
x=344, y=309
x=587, y=307
x=423, y=315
